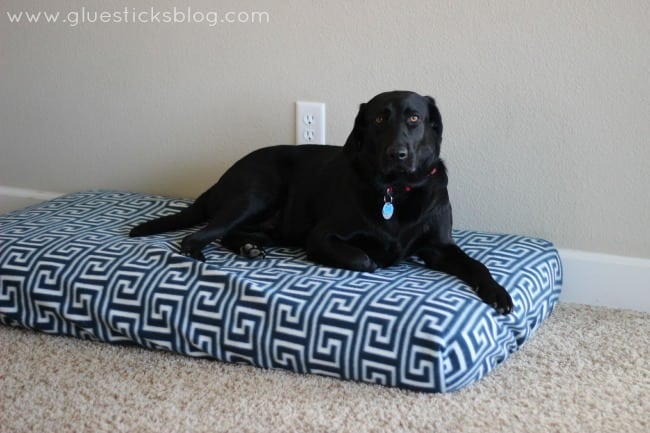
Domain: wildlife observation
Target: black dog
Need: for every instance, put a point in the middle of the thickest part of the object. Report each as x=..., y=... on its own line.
x=375, y=201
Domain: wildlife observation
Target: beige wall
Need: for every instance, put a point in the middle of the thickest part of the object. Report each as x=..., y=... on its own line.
x=546, y=103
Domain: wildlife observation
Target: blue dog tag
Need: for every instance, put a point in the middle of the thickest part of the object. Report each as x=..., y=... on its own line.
x=387, y=210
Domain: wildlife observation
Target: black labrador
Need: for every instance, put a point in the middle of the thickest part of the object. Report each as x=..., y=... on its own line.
x=374, y=202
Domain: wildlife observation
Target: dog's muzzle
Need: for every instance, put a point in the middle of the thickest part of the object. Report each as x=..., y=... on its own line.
x=398, y=158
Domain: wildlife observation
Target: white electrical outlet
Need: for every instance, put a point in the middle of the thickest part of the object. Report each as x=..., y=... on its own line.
x=310, y=122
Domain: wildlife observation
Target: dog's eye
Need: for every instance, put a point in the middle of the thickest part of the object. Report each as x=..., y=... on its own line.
x=379, y=119
x=414, y=118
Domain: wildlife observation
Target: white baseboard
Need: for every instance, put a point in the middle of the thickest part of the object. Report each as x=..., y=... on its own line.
x=17, y=198
x=10, y=191
x=605, y=280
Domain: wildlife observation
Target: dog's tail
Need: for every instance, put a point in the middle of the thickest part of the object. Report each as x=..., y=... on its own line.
x=184, y=219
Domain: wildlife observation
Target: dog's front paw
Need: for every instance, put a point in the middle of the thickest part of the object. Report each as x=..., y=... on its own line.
x=190, y=248
x=363, y=263
x=495, y=296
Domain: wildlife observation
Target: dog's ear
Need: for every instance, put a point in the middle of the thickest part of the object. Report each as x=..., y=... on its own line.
x=435, y=120
x=353, y=143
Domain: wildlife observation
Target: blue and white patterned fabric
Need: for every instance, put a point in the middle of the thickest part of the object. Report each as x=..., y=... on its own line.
x=68, y=267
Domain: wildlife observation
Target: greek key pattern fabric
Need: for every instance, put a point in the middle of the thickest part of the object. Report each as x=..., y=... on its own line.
x=68, y=267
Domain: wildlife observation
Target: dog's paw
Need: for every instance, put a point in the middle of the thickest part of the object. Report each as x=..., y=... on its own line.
x=363, y=263
x=252, y=251
x=196, y=255
x=495, y=296
x=190, y=249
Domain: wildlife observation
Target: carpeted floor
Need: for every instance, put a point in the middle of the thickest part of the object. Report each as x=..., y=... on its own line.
x=586, y=370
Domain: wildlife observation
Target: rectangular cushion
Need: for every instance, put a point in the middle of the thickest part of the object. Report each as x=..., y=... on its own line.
x=68, y=267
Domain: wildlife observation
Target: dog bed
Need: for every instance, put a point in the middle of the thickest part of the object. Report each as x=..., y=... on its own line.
x=68, y=267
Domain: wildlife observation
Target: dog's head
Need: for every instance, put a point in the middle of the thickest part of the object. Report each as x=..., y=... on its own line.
x=396, y=137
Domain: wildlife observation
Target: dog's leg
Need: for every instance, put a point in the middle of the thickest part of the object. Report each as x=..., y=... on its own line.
x=230, y=216
x=452, y=260
x=325, y=247
x=192, y=245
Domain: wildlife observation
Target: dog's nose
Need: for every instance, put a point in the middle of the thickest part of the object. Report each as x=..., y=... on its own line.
x=398, y=151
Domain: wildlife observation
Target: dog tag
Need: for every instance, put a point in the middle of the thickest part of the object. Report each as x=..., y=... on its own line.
x=387, y=210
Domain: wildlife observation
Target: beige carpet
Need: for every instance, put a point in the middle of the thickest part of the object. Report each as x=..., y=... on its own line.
x=586, y=370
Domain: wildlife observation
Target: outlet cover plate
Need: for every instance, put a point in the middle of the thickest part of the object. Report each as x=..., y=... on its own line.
x=310, y=122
